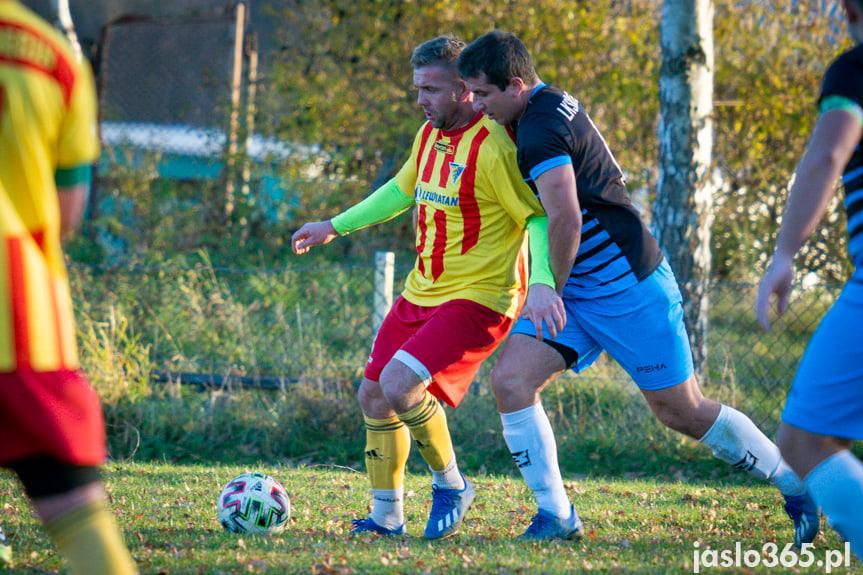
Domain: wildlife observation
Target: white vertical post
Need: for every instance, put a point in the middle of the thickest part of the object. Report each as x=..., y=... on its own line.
x=384, y=266
x=64, y=23
x=234, y=128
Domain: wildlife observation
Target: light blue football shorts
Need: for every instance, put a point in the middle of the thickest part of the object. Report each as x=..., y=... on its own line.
x=641, y=328
x=826, y=397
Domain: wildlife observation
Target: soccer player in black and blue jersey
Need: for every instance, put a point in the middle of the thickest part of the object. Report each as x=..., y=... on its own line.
x=824, y=409
x=618, y=295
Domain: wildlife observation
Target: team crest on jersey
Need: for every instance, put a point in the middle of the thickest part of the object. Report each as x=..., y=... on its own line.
x=455, y=171
x=444, y=148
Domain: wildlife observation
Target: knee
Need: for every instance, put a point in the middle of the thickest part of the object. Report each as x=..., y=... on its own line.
x=392, y=386
x=795, y=443
x=803, y=450
x=505, y=379
x=670, y=417
x=785, y=442
x=691, y=420
x=371, y=397
x=401, y=388
x=683, y=408
x=513, y=389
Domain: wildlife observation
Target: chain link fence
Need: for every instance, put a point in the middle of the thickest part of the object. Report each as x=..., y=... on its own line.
x=272, y=328
x=178, y=99
x=748, y=368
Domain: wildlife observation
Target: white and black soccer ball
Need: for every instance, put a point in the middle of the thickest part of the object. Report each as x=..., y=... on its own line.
x=254, y=503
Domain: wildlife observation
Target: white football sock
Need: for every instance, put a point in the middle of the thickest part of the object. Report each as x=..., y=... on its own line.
x=388, y=509
x=836, y=485
x=531, y=443
x=734, y=439
x=449, y=478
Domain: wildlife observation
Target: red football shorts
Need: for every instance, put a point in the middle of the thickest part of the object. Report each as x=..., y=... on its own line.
x=51, y=413
x=450, y=340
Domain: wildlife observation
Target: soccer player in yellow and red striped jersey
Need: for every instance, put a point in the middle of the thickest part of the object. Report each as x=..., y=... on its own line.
x=459, y=300
x=51, y=427
x=469, y=207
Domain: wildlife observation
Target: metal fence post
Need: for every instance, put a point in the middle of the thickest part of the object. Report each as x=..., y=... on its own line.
x=384, y=267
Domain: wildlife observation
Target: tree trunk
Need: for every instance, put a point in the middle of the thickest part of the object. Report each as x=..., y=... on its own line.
x=683, y=212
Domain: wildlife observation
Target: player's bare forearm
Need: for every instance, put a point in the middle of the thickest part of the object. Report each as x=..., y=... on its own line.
x=312, y=234
x=559, y=197
x=833, y=141
x=72, y=201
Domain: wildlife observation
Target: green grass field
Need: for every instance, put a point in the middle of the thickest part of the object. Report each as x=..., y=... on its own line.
x=168, y=513
x=652, y=501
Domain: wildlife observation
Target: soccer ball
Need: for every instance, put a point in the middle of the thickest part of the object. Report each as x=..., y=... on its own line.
x=254, y=503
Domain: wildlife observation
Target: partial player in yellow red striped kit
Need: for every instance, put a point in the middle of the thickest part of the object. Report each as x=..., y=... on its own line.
x=461, y=297
x=51, y=427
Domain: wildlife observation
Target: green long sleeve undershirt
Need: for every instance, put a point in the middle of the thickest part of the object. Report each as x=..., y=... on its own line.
x=540, y=266
x=382, y=205
x=388, y=201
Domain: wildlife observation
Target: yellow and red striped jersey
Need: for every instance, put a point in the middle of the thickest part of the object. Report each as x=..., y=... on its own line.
x=473, y=206
x=47, y=122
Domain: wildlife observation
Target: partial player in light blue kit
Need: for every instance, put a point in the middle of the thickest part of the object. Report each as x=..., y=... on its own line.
x=824, y=409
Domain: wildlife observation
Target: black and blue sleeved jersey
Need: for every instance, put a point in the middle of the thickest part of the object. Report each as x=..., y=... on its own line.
x=617, y=250
x=843, y=87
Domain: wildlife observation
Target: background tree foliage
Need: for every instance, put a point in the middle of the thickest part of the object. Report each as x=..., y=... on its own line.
x=343, y=81
x=343, y=78
x=770, y=61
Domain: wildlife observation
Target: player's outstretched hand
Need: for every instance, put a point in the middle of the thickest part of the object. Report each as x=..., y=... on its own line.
x=543, y=304
x=312, y=234
x=777, y=280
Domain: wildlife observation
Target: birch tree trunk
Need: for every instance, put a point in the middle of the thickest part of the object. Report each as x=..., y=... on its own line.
x=683, y=211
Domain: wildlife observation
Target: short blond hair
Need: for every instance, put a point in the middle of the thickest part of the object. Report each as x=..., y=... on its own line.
x=440, y=51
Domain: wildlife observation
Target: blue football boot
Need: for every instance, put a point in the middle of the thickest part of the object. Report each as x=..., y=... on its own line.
x=544, y=526
x=802, y=510
x=449, y=507
x=368, y=525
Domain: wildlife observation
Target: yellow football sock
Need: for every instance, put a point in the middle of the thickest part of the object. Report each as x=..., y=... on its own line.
x=90, y=540
x=388, y=445
x=428, y=427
